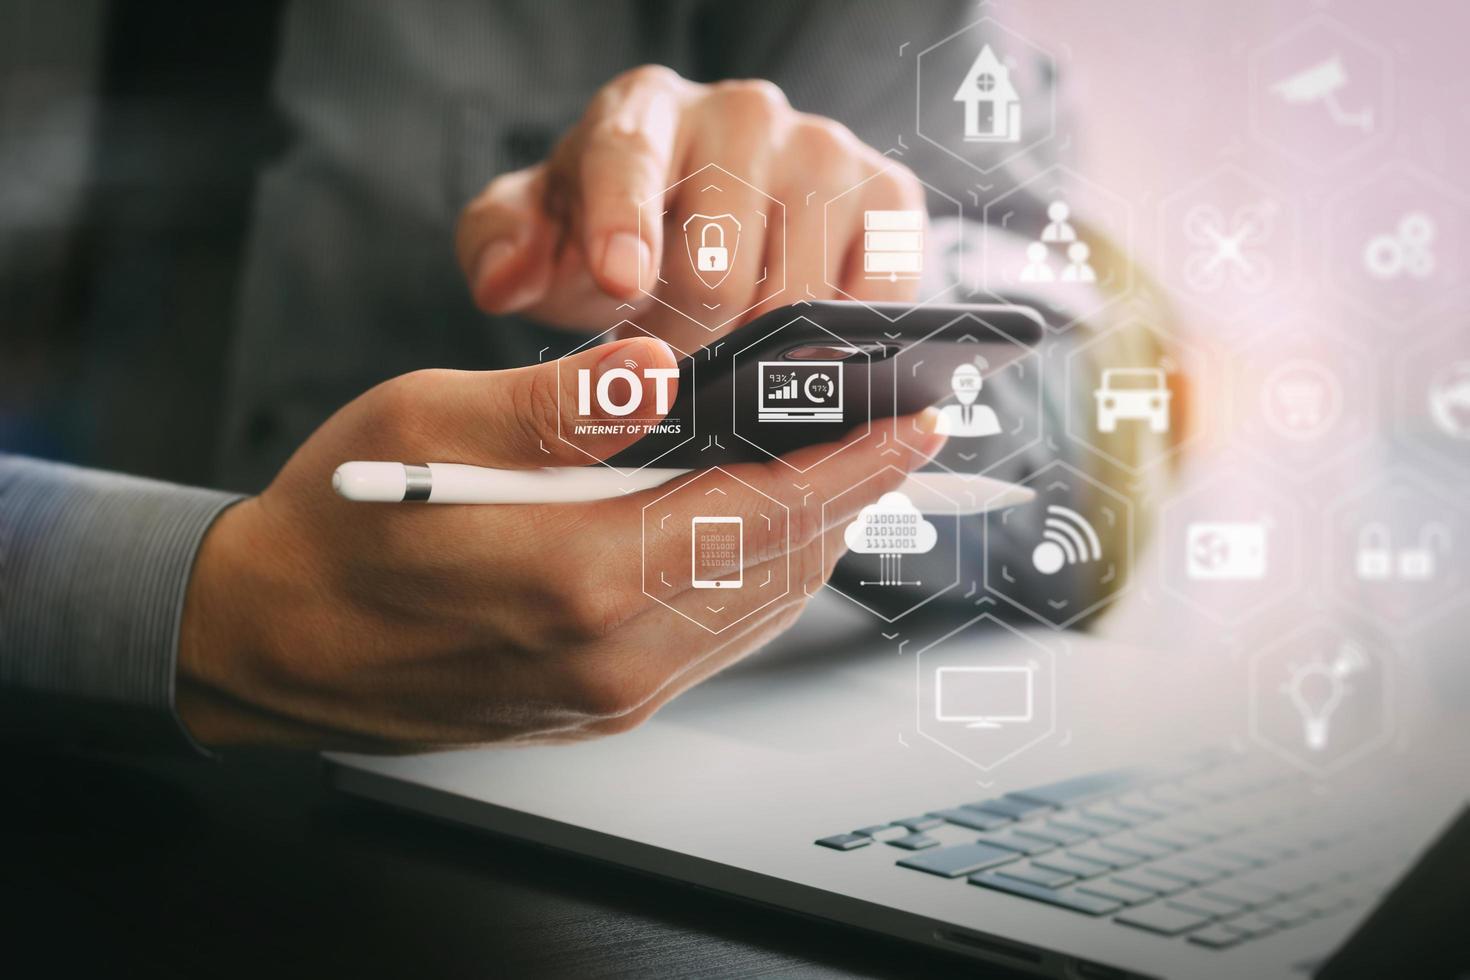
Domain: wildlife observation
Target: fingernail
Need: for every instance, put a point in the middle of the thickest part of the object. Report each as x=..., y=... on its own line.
x=626, y=262
x=633, y=355
x=927, y=422
x=493, y=258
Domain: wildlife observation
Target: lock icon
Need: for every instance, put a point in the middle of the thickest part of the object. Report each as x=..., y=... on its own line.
x=712, y=258
x=1419, y=563
x=1375, y=553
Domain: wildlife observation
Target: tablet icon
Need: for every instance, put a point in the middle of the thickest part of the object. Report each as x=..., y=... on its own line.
x=800, y=391
x=718, y=552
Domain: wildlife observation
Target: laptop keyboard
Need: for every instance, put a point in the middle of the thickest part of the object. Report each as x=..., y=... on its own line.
x=1215, y=854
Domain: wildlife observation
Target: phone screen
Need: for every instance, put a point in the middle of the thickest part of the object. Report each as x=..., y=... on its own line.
x=718, y=552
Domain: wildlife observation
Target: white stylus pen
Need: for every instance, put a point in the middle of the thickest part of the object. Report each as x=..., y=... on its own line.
x=459, y=483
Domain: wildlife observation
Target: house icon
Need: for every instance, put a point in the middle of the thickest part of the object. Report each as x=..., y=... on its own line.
x=992, y=107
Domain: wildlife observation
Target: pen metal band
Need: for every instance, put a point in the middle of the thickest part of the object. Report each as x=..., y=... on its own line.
x=418, y=482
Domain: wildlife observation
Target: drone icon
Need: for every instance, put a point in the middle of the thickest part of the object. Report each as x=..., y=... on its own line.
x=1228, y=251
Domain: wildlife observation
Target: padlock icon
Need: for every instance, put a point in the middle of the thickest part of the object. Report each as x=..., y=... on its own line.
x=1375, y=553
x=1420, y=563
x=712, y=258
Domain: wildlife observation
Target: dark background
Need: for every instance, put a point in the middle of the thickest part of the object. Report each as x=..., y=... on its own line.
x=130, y=136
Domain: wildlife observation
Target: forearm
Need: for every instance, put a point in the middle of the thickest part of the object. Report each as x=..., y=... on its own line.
x=94, y=568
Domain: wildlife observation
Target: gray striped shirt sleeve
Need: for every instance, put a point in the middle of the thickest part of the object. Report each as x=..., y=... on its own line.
x=93, y=571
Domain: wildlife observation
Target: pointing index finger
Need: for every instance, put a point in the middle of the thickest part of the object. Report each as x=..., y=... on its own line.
x=626, y=155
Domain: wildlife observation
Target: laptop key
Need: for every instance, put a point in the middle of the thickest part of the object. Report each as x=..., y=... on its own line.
x=1162, y=919
x=1186, y=872
x=1117, y=891
x=1252, y=923
x=1074, y=820
x=1221, y=935
x=917, y=824
x=915, y=842
x=846, y=842
x=1076, y=867
x=1049, y=832
x=884, y=832
x=1107, y=857
x=1147, y=850
x=1239, y=891
x=1113, y=814
x=1045, y=877
x=961, y=859
x=1076, y=790
x=971, y=819
x=1146, y=877
x=1067, y=898
x=1211, y=905
x=1013, y=808
x=1134, y=885
x=1017, y=842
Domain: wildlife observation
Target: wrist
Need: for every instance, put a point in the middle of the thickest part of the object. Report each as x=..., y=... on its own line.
x=217, y=634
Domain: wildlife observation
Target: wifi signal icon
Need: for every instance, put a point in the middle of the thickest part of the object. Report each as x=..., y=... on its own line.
x=630, y=364
x=1066, y=539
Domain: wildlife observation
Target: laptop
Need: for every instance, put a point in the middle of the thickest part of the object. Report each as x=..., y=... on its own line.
x=1142, y=837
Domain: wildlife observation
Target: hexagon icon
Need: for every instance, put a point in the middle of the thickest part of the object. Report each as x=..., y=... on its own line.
x=1432, y=402
x=1230, y=243
x=703, y=548
x=715, y=223
x=985, y=95
x=1303, y=403
x=1127, y=403
x=829, y=390
x=660, y=434
x=898, y=558
x=1320, y=94
x=1065, y=554
x=1396, y=549
x=1398, y=243
x=896, y=246
x=1321, y=696
x=1231, y=545
x=985, y=692
x=1061, y=243
x=994, y=410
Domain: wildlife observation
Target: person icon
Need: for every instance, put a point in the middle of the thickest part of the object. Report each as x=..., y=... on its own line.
x=1059, y=228
x=1078, y=269
x=1037, y=269
x=966, y=420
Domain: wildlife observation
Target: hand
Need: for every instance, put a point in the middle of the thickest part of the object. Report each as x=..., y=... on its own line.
x=316, y=622
x=561, y=241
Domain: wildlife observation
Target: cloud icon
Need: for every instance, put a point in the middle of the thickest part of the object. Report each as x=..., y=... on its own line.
x=892, y=526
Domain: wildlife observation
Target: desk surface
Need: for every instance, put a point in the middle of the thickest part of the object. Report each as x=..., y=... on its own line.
x=253, y=867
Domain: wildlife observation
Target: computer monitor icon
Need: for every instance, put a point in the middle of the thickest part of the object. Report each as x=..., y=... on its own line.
x=984, y=697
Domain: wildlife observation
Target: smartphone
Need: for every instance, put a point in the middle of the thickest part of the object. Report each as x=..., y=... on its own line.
x=811, y=372
x=717, y=552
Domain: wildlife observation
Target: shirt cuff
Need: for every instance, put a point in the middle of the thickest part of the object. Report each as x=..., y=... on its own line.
x=94, y=568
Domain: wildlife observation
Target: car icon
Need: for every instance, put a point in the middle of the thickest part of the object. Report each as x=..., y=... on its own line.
x=1132, y=394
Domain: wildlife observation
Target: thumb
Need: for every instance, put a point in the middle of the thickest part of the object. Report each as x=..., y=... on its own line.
x=506, y=244
x=575, y=410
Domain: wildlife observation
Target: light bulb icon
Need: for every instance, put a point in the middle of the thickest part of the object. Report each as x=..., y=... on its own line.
x=1316, y=690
